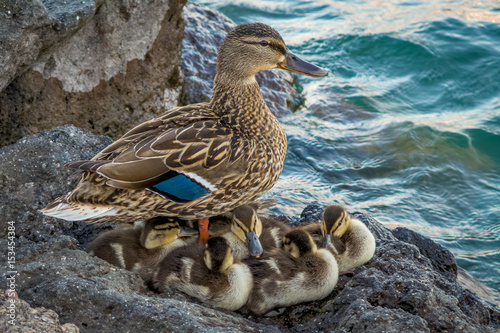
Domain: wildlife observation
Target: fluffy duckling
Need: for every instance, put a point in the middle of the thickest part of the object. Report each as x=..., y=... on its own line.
x=141, y=247
x=299, y=272
x=210, y=274
x=243, y=235
x=249, y=235
x=347, y=238
x=273, y=232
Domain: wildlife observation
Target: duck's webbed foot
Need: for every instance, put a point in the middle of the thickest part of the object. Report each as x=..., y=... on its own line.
x=203, y=230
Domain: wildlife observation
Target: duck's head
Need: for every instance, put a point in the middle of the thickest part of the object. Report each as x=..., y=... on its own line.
x=335, y=221
x=298, y=243
x=253, y=47
x=160, y=231
x=247, y=226
x=218, y=255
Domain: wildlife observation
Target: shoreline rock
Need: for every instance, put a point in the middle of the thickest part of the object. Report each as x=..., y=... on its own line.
x=119, y=59
x=106, y=67
x=409, y=285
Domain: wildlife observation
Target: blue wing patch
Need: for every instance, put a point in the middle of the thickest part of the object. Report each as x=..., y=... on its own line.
x=180, y=188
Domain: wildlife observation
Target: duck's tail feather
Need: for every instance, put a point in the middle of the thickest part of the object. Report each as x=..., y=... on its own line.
x=78, y=211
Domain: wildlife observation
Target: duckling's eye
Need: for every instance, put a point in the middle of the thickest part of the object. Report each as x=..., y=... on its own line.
x=264, y=43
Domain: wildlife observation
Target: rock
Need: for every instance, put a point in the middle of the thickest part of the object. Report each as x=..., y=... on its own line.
x=441, y=257
x=409, y=285
x=29, y=29
x=32, y=173
x=98, y=297
x=17, y=315
x=204, y=33
x=105, y=66
x=401, y=289
x=489, y=296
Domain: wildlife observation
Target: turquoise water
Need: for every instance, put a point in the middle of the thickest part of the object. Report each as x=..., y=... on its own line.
x=407, y=125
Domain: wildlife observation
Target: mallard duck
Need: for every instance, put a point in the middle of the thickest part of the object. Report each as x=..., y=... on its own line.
x=210, y=274
x=347, y=238
x=198, y=160
x=142, y=246
x=299, y=272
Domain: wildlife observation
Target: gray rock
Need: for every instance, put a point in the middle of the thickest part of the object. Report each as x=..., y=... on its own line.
x=441, y=258
x=404, y=288
x=18, y=316
x=30, y=28
x=98, y=297
x=409, y=285
x=105, y=66
x=32, y=173
x=204, y=33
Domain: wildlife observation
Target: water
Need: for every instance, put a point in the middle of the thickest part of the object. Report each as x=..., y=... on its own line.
x=407, y=126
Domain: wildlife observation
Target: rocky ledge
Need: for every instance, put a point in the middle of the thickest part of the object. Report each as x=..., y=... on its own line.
x=120, y=59
x=410, y=285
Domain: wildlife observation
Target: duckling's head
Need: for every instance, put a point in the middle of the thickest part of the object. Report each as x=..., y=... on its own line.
x=253, y=47
x=162, y=230
x=247, y=226
x=218, y=255
x=336, y=220
x=298, y=243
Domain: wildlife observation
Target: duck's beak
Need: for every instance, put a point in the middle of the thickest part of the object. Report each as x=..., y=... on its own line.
x=254, y=245
x=295, y=64
x=326, y=241
x=187, y=232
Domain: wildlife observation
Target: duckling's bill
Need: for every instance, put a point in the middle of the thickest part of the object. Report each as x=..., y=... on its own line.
x=254, y=245
x=187, y=232
x=295, y=64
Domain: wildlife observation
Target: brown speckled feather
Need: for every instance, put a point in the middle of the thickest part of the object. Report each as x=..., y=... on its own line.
x=239, y=162
x=194, y=161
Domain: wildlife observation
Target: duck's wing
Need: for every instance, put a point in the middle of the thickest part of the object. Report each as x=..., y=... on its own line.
x=176, y=155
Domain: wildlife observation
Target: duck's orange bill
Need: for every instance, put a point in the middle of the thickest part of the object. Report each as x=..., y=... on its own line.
x=203, y=230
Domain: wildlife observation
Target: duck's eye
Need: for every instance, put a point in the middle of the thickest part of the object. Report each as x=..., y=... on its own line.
x=264, y=43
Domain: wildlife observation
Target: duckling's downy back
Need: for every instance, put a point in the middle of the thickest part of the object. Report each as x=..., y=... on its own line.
x=297, y=274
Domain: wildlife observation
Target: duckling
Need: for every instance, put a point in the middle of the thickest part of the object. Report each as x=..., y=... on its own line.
x=299, y=272
x=273, y=231
x=243, y=235
x=248, y=234
x=194, y=161
x=139, y=248
x=347, y=238
x=210, y=274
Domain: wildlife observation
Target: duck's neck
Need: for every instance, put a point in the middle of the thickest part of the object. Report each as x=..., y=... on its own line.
x=240, y=105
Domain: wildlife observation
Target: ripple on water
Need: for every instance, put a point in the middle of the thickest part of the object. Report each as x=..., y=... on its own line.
x=407, y=126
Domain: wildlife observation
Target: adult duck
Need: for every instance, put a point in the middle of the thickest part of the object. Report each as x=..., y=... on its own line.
x=199, y=160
